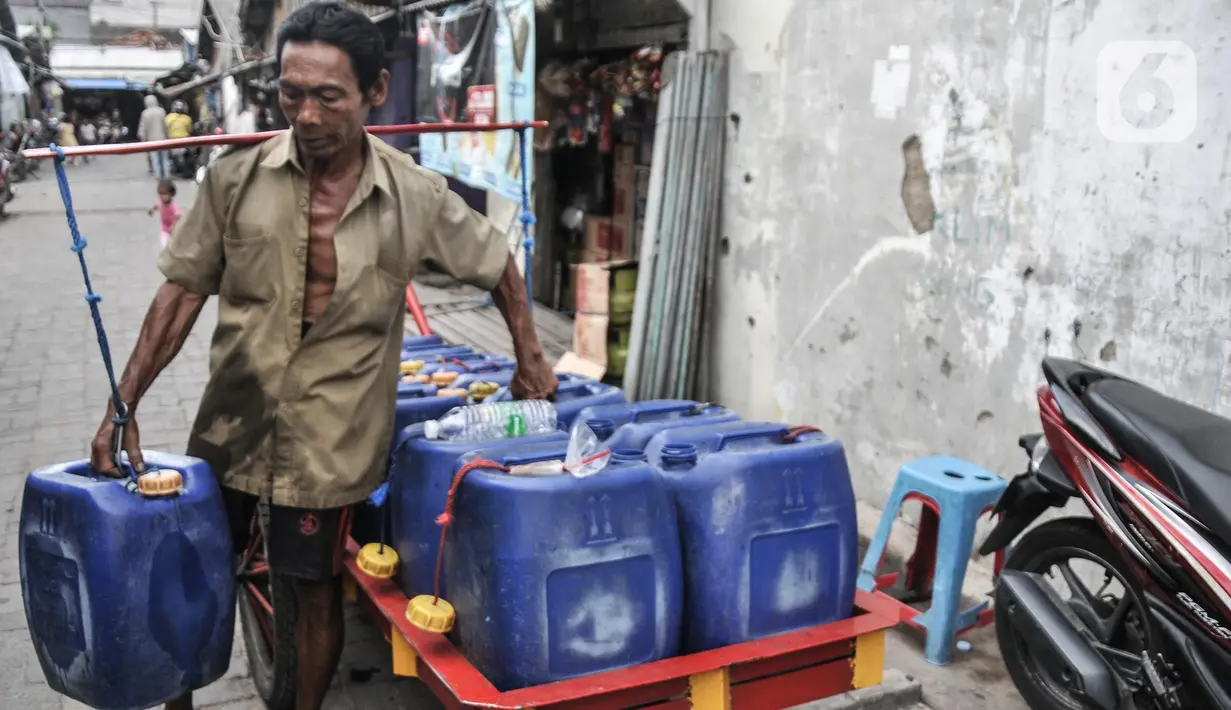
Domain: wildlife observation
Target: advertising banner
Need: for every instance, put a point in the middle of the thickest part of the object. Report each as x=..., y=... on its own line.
x=476, y=65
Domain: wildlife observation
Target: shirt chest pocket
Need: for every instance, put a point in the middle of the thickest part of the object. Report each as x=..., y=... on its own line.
x=373, y=257
x=252, y=269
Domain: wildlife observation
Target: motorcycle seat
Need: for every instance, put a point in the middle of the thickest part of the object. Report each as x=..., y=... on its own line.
x=1186, y=448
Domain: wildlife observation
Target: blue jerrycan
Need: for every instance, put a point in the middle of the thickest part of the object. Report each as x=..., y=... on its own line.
x=130, y=599
x=419, y=481
x=574, y=396
x=415, y=403
x=631, y=425
x=767, y=523
x=554, y=576
x=470, y=363
x=417, y=342
x=504, y=378
x=432, y=352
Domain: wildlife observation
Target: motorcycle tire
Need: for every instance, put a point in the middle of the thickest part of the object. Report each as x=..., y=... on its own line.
x=1084, y=537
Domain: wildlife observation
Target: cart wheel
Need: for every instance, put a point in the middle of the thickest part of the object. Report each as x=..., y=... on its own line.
x=267, y=612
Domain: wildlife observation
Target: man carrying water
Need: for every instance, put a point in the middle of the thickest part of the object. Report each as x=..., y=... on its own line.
x=309, y=240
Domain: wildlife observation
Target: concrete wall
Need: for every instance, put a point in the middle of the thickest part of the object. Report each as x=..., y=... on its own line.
x=901, y=293
x=74, y=22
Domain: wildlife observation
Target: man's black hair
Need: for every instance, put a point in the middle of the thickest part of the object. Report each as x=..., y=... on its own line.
x=340, y=25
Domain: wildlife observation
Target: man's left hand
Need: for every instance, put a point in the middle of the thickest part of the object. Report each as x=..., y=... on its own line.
x=533, y=379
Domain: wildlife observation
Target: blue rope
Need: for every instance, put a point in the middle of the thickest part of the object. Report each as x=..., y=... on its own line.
x=93, y=298
x=527, y=216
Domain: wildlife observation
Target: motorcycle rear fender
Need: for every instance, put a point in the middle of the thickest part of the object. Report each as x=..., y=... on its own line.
x=1025, y=499
x=1051, y=632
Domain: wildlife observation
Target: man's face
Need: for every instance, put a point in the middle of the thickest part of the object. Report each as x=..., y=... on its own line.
x=320, y=97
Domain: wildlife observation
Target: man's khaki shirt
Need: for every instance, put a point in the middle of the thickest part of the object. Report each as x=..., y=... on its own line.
x=309, y=420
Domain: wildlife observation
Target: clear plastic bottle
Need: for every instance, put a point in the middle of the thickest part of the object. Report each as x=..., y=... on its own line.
x=493, y=420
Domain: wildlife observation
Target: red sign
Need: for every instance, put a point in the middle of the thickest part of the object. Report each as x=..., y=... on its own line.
x=481, y=104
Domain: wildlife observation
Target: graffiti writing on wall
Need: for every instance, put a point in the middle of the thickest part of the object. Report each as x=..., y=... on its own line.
x=969, y=230
x=976, y=290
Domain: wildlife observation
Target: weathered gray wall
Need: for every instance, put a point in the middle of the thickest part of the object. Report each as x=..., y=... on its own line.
x=1047, y=237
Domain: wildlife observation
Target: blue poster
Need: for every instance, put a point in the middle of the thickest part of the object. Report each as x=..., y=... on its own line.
x=476, y=65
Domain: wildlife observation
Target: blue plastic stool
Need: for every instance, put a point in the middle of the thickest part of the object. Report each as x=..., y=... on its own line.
x=955, y=493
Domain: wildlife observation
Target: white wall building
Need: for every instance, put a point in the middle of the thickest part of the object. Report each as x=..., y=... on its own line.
x=1051, y=233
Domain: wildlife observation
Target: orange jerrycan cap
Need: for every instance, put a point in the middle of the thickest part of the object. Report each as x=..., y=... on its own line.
x=377, y=561
x=452, y=392
x=160, y=483
x=431, y=614
x=443, y=377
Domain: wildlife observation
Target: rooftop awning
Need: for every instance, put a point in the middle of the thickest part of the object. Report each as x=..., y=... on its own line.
x=86, y=84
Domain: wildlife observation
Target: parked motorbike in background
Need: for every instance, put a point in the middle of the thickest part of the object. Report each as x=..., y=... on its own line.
x=1147, y=624
x=208, y=158
x=6, y=186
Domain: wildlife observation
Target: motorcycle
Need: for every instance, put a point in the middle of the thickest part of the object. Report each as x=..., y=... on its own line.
x=6, y=187
x=26, y=167
x=208, y=158
x=1154, y=632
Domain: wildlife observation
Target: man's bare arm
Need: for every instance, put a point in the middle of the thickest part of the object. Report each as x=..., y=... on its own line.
x=167, y=324
x=534, y=378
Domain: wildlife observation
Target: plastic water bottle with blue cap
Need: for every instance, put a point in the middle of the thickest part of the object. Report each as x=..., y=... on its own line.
x=493, y=420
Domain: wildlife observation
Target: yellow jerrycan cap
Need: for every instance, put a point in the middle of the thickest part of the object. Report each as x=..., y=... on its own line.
x=411, y=367
x=482, y=390
x=377, y=561
x=431, y=614
x=163, y=482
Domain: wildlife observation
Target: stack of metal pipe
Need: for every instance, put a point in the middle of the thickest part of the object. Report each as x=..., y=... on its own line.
x=669, y=337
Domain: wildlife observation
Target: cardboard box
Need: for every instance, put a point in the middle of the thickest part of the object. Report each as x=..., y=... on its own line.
x=625, y=164
x=591, y=257
x=624, y=210
x=605, y=237
x=573, y=364
x=590, y=338
x=592, y=284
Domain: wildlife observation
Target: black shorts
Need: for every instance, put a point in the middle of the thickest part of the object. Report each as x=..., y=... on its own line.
x=303, y=543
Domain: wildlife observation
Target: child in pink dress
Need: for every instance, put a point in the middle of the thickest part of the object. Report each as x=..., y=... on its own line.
x=168, y=211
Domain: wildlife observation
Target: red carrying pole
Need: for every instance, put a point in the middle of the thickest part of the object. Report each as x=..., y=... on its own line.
x=416, y=310
x=250, y=138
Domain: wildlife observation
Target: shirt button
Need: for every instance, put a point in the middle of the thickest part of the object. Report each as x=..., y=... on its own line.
x=298, y=251
x=303, y=202
x=284, y=407
x=295, y=305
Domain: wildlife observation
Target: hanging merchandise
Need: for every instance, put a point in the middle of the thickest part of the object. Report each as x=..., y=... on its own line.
x=666, y=344
x=476, y=64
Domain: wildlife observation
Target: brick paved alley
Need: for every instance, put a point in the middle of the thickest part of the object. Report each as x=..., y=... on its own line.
x=53, y=391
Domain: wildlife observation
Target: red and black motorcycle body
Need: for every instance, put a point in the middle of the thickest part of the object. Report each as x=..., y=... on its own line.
x=1155, y=473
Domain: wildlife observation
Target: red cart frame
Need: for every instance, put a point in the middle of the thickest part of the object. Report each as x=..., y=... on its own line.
x=767, y=674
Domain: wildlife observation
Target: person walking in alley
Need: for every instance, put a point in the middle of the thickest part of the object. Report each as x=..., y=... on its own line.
x=153, y=127
x=89, y=136
x=309, y=240
x=168, y=212
x=67, y=136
